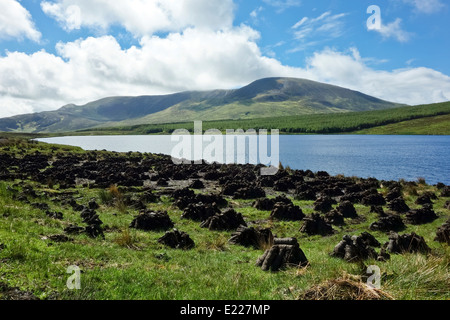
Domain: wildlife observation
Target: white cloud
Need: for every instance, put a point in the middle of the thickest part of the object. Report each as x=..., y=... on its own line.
x=10, y=106
x=426, y=6
x=324, y=25
x=201, y=51
x=141, y=17
x=282, y=5
x=94, y=68
x=16, y=22
x=312, y=31
x=300, y=23
x=410, y=85
x=254, y=15
x=393, y=30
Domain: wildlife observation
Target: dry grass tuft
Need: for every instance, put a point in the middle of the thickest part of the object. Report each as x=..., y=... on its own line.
x=217, y=244
x=114, y=191
x=344, y=288
x=126, y=239
x=265, y=244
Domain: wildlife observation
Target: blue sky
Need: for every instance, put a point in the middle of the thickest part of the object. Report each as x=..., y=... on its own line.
x=428, y=44
x=56, y=52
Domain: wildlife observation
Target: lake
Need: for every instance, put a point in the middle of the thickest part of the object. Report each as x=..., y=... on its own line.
x=381, y=157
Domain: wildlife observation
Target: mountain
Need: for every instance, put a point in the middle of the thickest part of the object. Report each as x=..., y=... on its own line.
x=267, y=97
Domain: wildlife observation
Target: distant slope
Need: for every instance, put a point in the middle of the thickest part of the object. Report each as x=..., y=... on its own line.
x=422, y=119
x=270, y=97
x=438, y=125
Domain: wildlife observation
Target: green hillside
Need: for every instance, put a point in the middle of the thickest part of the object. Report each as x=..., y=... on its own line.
x=423, y=119
x=265, y=98
x=439, y=125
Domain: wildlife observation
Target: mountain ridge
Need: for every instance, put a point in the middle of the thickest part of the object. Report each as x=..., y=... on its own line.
x=262, y=98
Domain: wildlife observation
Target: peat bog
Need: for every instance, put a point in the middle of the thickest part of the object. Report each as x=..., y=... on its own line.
x=141, y=227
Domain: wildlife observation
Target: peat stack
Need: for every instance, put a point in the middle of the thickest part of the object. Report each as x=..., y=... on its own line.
x=265, y=181
x=290, y=212
x=331, y=192
x=398, y=205
x=370, y=240
x=264, y=204
x=93, y=205
x=149, y=197
x=197, y=184
x=55, y=215
x=152, y=221
x=182, y=193
x=283, y=199
x=374, y=199
x=406, y=243
x=443, y=233
x=394, y=194
x=284, y=252
x=199, y=211
x=308, y=195
x=315, y=224
x=324, y=204
x=252, y=237
x=177, y=240
x=228, y=220
x=447, y=205
x=378, y=210
x=388, y=223
x=162, y=182
x=421, y=216
x=284, y=184
x=242, y=189
x=94, y=223
x=357, y=248
x=424, y=199
x=249, y=192
x=90, y=217
x=347, y=209
x=334, y=218
x=75, y=206
x=445, y=192
x=353, y=197
x=212, y=199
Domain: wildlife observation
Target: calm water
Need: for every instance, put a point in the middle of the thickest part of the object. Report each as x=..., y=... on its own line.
x=382, y=157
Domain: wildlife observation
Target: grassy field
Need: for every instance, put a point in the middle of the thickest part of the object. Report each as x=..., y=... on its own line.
x=439, y=125
x=424, y=119
x=131, y=264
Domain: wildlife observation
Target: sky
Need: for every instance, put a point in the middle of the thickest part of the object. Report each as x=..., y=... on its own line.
x=58, y=52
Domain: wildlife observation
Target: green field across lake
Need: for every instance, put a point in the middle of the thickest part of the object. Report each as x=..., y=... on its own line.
x=424, y=119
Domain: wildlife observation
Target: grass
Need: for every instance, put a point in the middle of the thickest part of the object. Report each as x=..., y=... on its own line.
x=439, y=125
x=127, y=239
x=131, y=264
